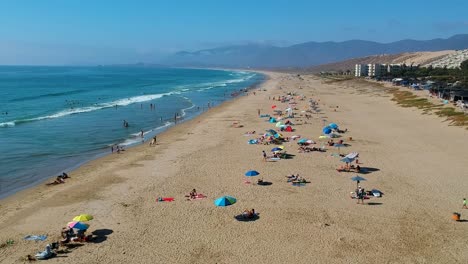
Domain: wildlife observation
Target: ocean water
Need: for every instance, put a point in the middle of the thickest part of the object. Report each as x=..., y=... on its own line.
x=53, y=119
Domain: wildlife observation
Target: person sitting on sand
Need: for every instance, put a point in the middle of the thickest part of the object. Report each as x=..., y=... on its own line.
x=330, y=143
x=248, y=213
x=193, y=194
x=58, y=180
x=67, y=234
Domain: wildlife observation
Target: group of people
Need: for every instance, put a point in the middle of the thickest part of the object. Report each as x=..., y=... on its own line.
x=295, y=178
x=60, y=179
x=302, y=149
x=68, y=235
x=117, y=149
x=349, y=168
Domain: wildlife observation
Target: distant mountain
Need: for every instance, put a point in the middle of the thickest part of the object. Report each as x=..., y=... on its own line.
x=306, y=54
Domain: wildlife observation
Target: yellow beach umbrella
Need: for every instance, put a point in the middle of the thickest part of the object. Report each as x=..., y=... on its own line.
x=281, y=147
x=83, y=218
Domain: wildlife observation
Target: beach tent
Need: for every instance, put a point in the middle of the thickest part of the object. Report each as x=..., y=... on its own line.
x=333, y=126
x=272, y=120
x=289, y=129
x=279, y=124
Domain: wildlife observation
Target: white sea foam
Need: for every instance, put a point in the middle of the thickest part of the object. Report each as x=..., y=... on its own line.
x=135, y=137
x=86, y=109
x=7, y=124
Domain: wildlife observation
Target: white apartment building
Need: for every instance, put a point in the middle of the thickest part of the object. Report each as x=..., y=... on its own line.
x=374, y=69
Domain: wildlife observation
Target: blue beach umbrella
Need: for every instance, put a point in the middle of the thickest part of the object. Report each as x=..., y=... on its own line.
x=358, y=179
x=333, y=125
x=78, y=225
x=326, y=130
x=302, y=141
x=252, y=173
x=273, y=132
x=225, y=201
x=339, y=145
x=347, y=160
x=275, y=149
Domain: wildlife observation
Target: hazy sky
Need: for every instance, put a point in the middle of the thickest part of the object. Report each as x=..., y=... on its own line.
x=103, y=32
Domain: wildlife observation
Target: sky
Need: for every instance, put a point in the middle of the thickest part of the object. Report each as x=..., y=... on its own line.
x=68, y=32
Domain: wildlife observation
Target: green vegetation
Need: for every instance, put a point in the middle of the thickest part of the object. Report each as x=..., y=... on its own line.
x=436, y=74
x=408, y=99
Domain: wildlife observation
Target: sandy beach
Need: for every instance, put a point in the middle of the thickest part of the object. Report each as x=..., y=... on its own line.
x=417, y=161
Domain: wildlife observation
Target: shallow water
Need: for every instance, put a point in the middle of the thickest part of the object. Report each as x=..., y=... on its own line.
x=54, y=118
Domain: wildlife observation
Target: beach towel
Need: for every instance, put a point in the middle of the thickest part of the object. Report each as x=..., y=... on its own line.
x=165, y=199
x=199, y=196
x=35, y=238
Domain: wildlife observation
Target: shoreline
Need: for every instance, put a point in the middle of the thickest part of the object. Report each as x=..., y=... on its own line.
x=316, y=223
x=150, y=133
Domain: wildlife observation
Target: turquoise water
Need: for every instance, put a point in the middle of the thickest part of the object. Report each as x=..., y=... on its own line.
x=55, y=118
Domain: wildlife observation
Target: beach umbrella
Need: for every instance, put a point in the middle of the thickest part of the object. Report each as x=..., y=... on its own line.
x=324, y=137
x=225, y=201
x=347, y=160
x=278, y=135
x=326, y=130
x=333, y=125
x=302, y=141
x=336, y=145
x=83, y=218
x=281, y=147
x=352, y=155
x=279, y=124
x=272, y=131
x=78, y=225
x=358, y=179
x=276, y=149
x=251, y=173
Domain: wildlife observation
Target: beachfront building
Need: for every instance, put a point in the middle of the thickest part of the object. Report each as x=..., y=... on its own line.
x=375, y=69
x=360, y=70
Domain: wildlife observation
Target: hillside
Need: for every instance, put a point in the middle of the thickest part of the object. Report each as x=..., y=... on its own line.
x=307, y=54
x=408, y=58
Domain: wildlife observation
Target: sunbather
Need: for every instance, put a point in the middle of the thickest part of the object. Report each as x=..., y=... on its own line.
x=58, y=180
x=193, y=194
x=248, y=213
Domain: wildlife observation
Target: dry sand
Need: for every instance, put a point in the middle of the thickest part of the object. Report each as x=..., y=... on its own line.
x=421, y=164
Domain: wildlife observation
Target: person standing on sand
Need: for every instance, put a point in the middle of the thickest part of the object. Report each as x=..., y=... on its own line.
x=464, y=204
x=264, y=156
